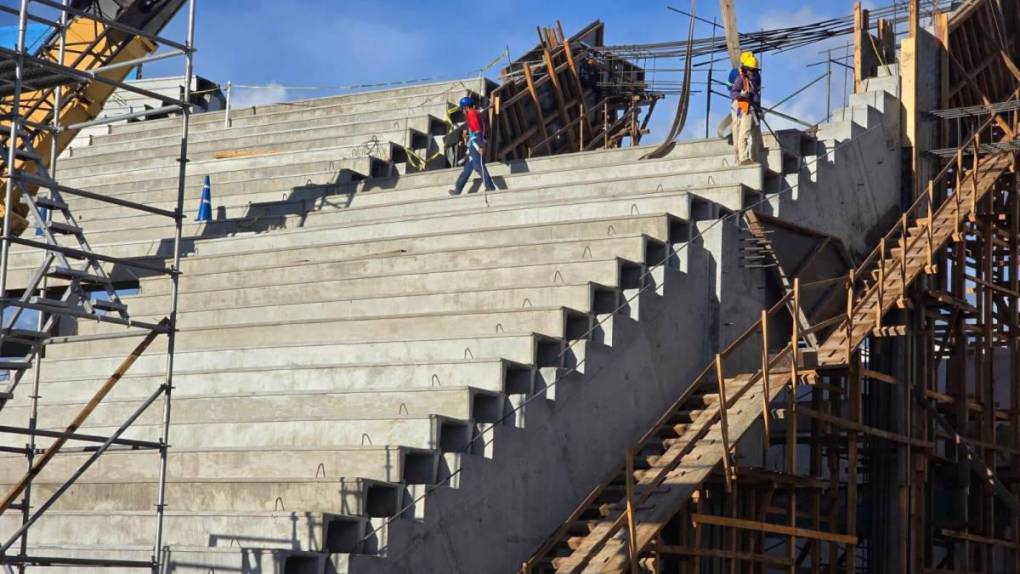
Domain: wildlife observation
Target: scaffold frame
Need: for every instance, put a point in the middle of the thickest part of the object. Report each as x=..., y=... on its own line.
x=51, y=86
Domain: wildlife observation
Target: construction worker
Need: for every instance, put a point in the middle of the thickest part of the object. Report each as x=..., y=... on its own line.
x=475, y=132
x=745, y=94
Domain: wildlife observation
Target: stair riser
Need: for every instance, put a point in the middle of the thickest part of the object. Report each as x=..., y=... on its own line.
x=324, y=287
x=520, y=348
x=455, y=403
x=235, y=253
x=419, y=119
x=487, y=376
x=307, y=194
x=202, y=274
x=551, y=322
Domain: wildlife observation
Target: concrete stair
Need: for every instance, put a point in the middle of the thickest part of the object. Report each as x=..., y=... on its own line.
x=348, y=342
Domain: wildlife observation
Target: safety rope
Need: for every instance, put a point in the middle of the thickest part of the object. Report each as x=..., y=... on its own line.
x=418, y=162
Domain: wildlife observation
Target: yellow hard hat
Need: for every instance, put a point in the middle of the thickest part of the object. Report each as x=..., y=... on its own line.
x=748, y=60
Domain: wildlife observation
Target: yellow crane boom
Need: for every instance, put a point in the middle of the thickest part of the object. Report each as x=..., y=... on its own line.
x=94, y=48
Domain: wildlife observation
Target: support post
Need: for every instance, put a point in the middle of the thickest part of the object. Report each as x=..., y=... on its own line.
x=765, y=375
x=724, y=423
x=12, y=158
x=791, y=426
x=631, y=526
x=168, y=384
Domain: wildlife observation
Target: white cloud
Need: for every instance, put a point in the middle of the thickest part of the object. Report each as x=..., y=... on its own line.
x=246, y=97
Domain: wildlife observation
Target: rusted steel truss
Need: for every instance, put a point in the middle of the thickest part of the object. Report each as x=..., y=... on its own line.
x=568, y=95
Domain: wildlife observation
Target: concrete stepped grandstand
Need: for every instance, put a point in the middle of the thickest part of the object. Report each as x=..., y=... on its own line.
x=351, y=337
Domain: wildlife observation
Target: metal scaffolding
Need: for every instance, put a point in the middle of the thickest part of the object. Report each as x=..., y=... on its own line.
x=46, y=97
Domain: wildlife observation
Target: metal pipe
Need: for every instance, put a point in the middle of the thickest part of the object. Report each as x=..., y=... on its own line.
x=81, y=469
x=828, y=86
x=19, y=70
x=226, y=111
x=157, y=554
x=81, y=254
x=32, y=17
x=114, y=24
x=88, y=75
x=708, y=92
x=49, y=184
x=122, y=117
x=137, y=61
x=33, y=421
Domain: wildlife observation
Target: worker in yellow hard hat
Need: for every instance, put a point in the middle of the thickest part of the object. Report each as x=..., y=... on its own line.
x=745, y=95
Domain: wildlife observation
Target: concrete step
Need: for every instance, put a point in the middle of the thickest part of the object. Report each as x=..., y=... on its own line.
x=688, y=149
x=681, y=204
x=184, y=559
x=298, y=285
x=273, y=173
x=140, y=187
x=886, y=83
x=422, y=94
x=378, y=462
x=523, y=348
x=661, y=225
x=384, y=108
x=242, y=127
x=555, y=322
x=863, y=115
x=706, y=170
x=455, y=402
x=206, y=273
x=379, y=145
x=308, y=213
x=317, y=495
x=490, y=374
x=85, y=178
x=431, y=432
x=286, y=530
x=581, y=297
x=235, y=252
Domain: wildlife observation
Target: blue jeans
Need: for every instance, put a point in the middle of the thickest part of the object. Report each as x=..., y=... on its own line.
x=474, y=163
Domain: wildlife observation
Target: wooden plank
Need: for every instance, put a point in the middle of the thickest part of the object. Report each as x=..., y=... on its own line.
x=876, y=432
x=860, y=29
x=770, y=528
x=976, y=538
x=538, y=104
x=729, y=17
x=878, y=376
x=558, y=93
x=39, y=463
x=724, y=554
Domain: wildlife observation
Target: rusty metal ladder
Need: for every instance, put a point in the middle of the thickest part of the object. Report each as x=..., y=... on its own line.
x=624, y=513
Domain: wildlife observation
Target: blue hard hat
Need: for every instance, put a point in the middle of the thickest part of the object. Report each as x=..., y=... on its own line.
x=466, y=101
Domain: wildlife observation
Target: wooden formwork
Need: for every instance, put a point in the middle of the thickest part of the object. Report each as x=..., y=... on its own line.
x=568, y=95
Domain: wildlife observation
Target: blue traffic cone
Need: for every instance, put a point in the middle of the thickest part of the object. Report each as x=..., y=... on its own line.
x=205, y=205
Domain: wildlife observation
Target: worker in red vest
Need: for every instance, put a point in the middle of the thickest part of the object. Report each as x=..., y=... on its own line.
x=476, y=131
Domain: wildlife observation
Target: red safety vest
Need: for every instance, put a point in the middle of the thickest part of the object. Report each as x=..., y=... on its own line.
x=475, y=122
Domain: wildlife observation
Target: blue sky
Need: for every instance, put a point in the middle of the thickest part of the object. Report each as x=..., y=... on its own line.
x=348, y=42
